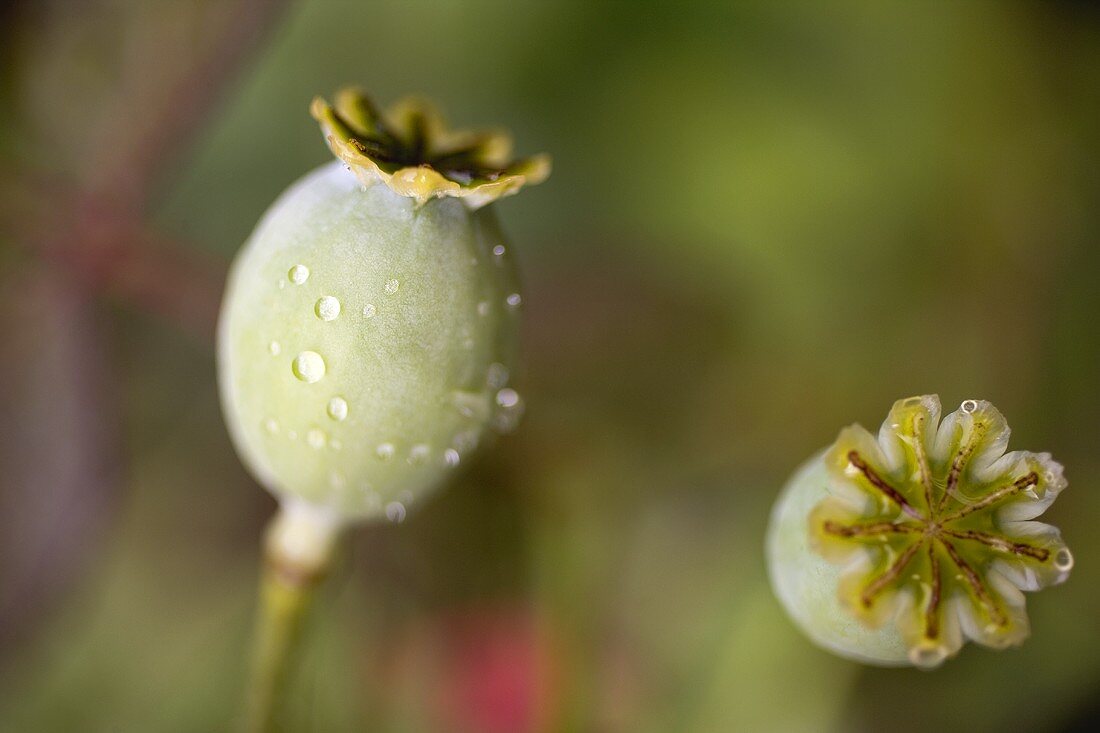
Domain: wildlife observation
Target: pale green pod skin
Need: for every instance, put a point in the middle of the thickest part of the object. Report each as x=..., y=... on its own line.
x=900, y=547
x=806, y=584
x=416, y=359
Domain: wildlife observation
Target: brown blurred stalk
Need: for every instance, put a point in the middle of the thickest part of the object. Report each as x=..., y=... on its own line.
x=90, y=132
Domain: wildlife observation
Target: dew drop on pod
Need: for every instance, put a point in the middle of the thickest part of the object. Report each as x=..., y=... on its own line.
x=897, y=549
x=368, y=330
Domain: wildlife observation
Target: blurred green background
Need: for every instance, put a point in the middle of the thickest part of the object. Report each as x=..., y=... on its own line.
x=766, y=221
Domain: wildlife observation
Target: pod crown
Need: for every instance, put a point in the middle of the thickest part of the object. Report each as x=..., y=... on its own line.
x=931, y=521
x=410, y=149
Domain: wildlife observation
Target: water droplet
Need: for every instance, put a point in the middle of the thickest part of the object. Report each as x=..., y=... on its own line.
x=338, y=408
x=507, y=397
x=506, y=422
x=507, y=418
x=392, y=285
x=418, y=454
x=451, y=457
x=384, y=451
x=969, y=406
x=514, y=300
x=498, y=250
x=308, y=366
x=298, y=274
x=395, y=512
x=271, y=425
x=497, y=376
x=316, y=438
x=327, y=308
x=1063, y=560
x=465, y=442
x=275, y=348
x=483, y=308
x=369, y=310
x=471, y=404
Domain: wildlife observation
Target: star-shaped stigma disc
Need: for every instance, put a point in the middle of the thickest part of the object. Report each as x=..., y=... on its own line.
x=931, y=522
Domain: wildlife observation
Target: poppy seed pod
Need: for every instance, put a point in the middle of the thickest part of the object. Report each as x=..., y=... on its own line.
x=368, y=330
x=897, y=549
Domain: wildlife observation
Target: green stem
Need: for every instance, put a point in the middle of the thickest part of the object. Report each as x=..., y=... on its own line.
x=298, y=552
x=283, y=607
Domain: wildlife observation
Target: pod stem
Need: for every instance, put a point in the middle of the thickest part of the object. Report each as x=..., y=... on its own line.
x=298, y=553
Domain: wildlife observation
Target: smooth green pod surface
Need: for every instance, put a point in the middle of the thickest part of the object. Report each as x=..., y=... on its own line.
x=806, y=583
x=366, y=342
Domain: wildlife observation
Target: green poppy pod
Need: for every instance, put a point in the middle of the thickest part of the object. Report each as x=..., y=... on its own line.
x=896, y=549
x=368, y=332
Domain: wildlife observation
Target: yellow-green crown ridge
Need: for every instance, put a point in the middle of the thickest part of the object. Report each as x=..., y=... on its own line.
x=931, y=522
x=410, y=149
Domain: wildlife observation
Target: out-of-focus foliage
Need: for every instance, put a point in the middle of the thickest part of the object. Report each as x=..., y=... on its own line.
x=767, y=220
